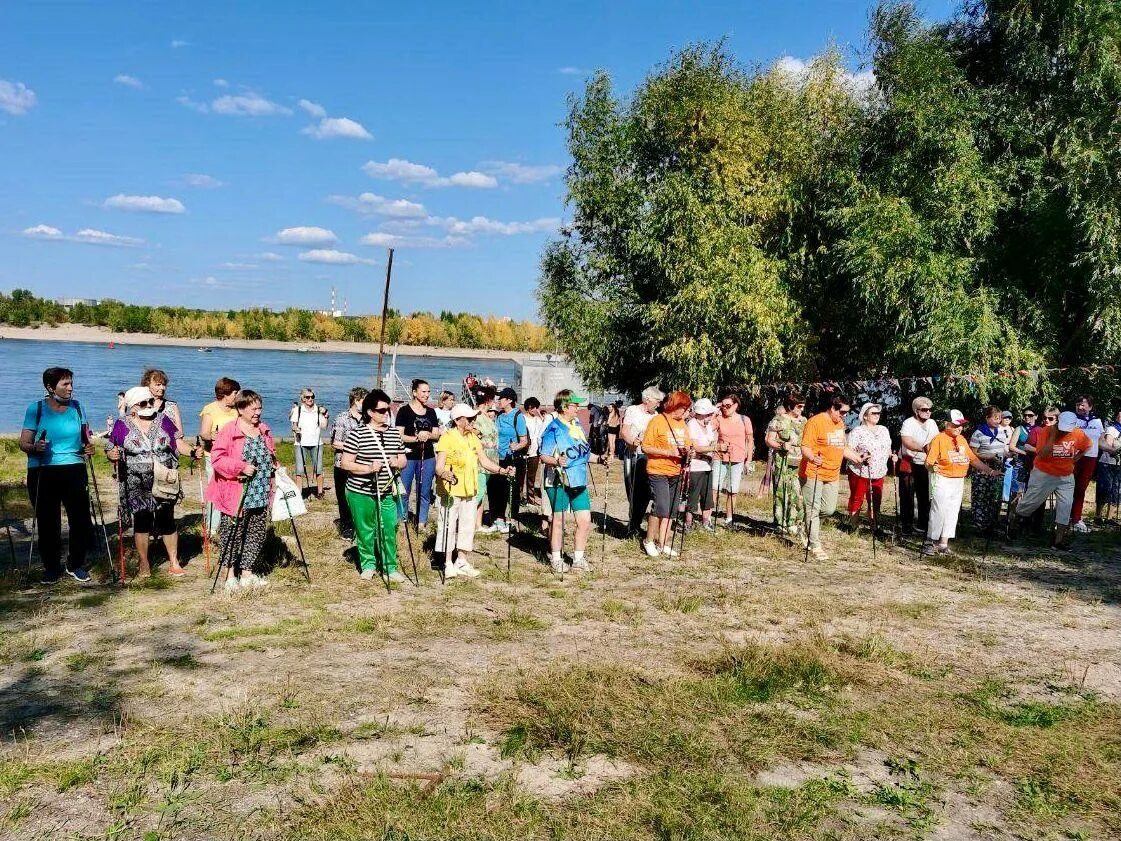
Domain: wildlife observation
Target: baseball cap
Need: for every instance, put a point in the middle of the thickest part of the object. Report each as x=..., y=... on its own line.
x=957, y=418
x=704, y=406
x=509, y=394
x=578, y=399
x=921, y=403
x=1067, y=421
x=1006, y=414
x=462, y=410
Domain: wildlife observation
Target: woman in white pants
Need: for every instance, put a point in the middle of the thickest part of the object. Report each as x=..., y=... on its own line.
x=459, y=454
x=948, y=459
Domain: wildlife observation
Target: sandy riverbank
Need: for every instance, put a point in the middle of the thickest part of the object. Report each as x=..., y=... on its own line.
x=82, y=333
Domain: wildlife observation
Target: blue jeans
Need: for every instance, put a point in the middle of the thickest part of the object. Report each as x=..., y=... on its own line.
x=426, y=469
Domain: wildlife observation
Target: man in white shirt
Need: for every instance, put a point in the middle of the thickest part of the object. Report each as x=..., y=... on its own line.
x=1092, y=425
x=635, y=421
x=914, y=481
x=308, y=422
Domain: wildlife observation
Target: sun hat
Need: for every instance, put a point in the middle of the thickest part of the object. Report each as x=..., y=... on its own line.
x=957, y=418
x=866, y=408
x=137, y=394
x=462, y=410
x=921, y=403
x=704, y=406
x=1067, y=421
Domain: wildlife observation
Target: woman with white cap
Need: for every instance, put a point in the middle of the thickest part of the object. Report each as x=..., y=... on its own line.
x=459, y=457
x=146, y=444
x=866, y=481
x=705, y=434
x=948, y=458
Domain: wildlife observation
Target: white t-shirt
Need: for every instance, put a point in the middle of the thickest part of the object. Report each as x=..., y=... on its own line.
x=535, y=426
x=921, y=431
x=702, y=435
x=307, y=421
x=1112, y=437
x=1093, y=429
x=637, y=418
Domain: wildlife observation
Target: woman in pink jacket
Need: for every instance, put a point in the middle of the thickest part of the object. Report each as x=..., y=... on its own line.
x=244, y=461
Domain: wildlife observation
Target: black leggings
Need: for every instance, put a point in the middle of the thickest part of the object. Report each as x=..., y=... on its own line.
x=345, y=520
x=51, y=489
x=498, y=490
x=163, y=519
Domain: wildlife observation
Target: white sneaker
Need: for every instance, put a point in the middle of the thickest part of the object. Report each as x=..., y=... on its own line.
x=231, y=585
x=580, y=565
x=1080, y=527
x=464, y=568
x=728, y=521
x=368, y=574
x=501, y=526
x=672, y=553
x=450, y=571
x=396, y=577
x=557, y=565
x=651, y=548
x=486, y=529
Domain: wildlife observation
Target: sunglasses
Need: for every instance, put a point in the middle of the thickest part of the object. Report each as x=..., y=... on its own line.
x=873, y=412
x=309, y=397
x=928, y=411
x=727, y=405
x=151, y=402
x=1051, y=417
x=380, y=410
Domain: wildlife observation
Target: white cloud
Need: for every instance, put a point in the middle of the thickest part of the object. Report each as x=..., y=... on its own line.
x=797, y=70
x=373, y=204
x=128, y=81
x=330, y=127
x=573, y=71
x=332, y=257
x=201, y=181
x=42, y=232
x=86, y=235
x=305, y=235
x=483, y=225
x=144, y=204
x=385, y=240
x=269, y=257
x=187, y=102
x=522, y=173
x=92, y=237
x=179, y=43
x=313, y=108
x=16, y=98
x=238, y=266
x=247, y=105
x=221, y=83
x=407, y=172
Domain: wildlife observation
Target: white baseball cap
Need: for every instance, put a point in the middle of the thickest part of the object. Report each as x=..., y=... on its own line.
x=462, y=410
x=704, y=406
x=1067, y=421
x=957, y=418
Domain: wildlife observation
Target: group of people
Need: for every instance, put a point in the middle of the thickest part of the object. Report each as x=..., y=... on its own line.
x=683, y=466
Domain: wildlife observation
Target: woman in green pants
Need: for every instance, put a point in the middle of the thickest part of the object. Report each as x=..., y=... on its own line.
x=373, y=452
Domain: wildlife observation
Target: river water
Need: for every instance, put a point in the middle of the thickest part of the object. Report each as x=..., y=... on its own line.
x=101, y=371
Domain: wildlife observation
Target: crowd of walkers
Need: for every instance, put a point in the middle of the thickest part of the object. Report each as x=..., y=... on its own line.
x=478, y=462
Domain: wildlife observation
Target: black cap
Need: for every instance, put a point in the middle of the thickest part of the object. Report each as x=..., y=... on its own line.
x=509, y=394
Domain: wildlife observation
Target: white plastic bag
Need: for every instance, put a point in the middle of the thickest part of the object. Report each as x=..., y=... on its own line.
x=288, y=501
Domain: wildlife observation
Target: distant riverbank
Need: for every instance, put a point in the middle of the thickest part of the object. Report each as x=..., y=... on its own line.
x=82, y=333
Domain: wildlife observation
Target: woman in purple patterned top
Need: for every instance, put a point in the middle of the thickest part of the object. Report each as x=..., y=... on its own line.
x=138, y=442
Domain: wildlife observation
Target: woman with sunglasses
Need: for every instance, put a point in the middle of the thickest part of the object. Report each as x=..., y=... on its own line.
x=373, y=455
x=1021, y=458
x=138, y=442
x=914, y=482
x=866, y=481
x=308, y=422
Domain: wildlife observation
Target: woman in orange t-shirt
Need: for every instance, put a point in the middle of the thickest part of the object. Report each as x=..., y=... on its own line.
x=667, y=446
x=948, y=459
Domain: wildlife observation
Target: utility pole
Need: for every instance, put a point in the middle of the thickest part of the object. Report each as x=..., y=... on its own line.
x=384, y=313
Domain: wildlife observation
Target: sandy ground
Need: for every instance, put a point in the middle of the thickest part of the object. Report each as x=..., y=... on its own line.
x=83, y=333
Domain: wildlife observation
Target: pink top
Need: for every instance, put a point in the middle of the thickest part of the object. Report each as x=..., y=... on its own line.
x=736, y=432
x=224, y=489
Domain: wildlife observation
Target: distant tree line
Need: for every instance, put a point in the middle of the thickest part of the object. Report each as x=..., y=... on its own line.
x=447, y=329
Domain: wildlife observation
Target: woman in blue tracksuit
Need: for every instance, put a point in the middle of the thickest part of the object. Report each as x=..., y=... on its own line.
x=564, y=448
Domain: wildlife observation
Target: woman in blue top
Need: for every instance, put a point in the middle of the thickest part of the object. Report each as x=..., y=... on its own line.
x=565, y=447
x=56, y=439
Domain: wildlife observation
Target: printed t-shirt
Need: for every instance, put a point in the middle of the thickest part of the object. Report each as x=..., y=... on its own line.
x=410, y=423
x=637, y=418
x=306, y=420
x=703, y=435
x=1111, y=435
x=214, y=416
x=951, y=456
x=1092, y=428
x=1063, y=453
x=344, y=422
x=663, y=433
x=488, y=434
x=461, y=457
x=64, y=434
x=736, y=432
x=511, y=426
x=825, y=438
x=363, y=442
x=921, y=431
x=562, y=438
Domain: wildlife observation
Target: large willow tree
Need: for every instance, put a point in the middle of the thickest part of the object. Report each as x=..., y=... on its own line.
x=961, y=215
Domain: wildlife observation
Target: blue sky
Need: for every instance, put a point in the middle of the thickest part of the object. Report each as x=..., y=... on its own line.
x=236, y=154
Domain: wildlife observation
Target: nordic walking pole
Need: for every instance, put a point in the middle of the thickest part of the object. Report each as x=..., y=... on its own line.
x=809, y=513
x=8, y=526
x=408, y=537
x=603, y=519
x=225, y=554
x=513, y=522
x=379, y=554
x=446, y=505
x=98, y=510
x=122, y=484
x=872, y=513
x=205, y=517
x=299, y=545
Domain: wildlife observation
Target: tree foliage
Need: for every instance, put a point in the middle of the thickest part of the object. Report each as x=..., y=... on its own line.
x=736, y=226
